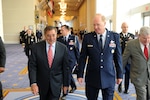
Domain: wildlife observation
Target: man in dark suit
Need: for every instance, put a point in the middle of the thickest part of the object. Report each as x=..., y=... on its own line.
x=22, y=34
x=29, y=39
x=138, y=51
x=38, y=35
x=2, y=64
x=47, y=76
x=72, y=44
x=125, y=36
x=102, y=47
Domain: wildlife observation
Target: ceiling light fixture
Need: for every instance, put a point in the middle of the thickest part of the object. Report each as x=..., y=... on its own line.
x=63, y=7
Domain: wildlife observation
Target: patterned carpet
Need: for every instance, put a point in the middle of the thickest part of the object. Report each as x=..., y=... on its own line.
x=16, y=84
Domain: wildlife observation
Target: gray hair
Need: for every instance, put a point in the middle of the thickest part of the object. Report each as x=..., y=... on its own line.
x=145, y=30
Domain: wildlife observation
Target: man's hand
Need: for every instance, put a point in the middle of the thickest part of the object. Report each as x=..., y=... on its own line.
x=35, y=89
x=119, y=80
x=65, y=89
x=2, y=69
x=80, y=80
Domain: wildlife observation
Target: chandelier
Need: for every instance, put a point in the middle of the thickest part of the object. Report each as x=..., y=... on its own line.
x=63, y=7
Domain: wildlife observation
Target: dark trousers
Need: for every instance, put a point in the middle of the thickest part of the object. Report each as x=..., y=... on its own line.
x=92, y=93
x=71, y=79
x=38, y=39
x=1, y=91
x=27, y=51
x=72, y=82
x=127, y=77
x=47, y=95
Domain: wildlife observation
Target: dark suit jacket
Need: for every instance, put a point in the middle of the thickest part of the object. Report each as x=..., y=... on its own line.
x=101, y=71
x=45, y=77
x=73, y=49
x=2, y=62
x=2, y=54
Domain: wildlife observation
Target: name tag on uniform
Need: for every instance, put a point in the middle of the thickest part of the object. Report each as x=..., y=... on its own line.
x=89, y=45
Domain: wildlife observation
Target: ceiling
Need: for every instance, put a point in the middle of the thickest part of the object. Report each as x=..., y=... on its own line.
x=72, y=5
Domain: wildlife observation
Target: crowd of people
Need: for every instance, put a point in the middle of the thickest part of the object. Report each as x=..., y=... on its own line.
x=112, y=57
x=27, y=38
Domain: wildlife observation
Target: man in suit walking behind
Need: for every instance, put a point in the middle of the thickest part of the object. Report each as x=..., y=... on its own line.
x=125, y=36
x=138, y=50
x=102, y=47
x=72, y=44
x=48, y=66
x=2, y=64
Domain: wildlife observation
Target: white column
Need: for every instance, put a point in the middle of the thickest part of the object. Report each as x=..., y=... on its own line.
x=121, y=13
x=91, y=11
x=115, y=15
x=1, y=21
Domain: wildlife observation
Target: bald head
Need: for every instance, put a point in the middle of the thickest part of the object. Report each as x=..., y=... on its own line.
x=124, y=27
x=100, y=16
x=99, y=22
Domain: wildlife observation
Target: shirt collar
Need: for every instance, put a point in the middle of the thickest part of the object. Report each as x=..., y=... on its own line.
x=67, y=36
x=47, y=44
x=103, y=34
x=124, y=34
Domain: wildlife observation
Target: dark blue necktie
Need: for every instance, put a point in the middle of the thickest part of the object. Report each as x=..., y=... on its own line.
x=65, y=40
x=100, y=42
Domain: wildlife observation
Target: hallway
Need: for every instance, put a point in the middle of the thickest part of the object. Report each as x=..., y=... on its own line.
x=16, y=84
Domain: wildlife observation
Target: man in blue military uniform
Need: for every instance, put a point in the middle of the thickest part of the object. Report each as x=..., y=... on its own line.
x=22, y=34
x=125, y=36
x=72, y=43
x=104, y=66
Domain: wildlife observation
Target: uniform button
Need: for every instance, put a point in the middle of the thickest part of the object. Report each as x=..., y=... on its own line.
x=101, y=60
x=101, y=66
x=101, y=53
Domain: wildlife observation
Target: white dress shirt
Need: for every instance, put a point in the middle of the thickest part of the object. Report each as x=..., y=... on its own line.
x=53, y=47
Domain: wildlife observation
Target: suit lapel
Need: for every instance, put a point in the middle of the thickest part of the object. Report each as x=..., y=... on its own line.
x=56, y=54
x=95, y=40
x=121, y=35
x=149, y=52
x=139, y=48
x=62, y=39
x=107, y=40
x=45, y=53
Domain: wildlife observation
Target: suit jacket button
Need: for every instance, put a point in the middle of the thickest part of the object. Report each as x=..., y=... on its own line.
x=101, y=66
